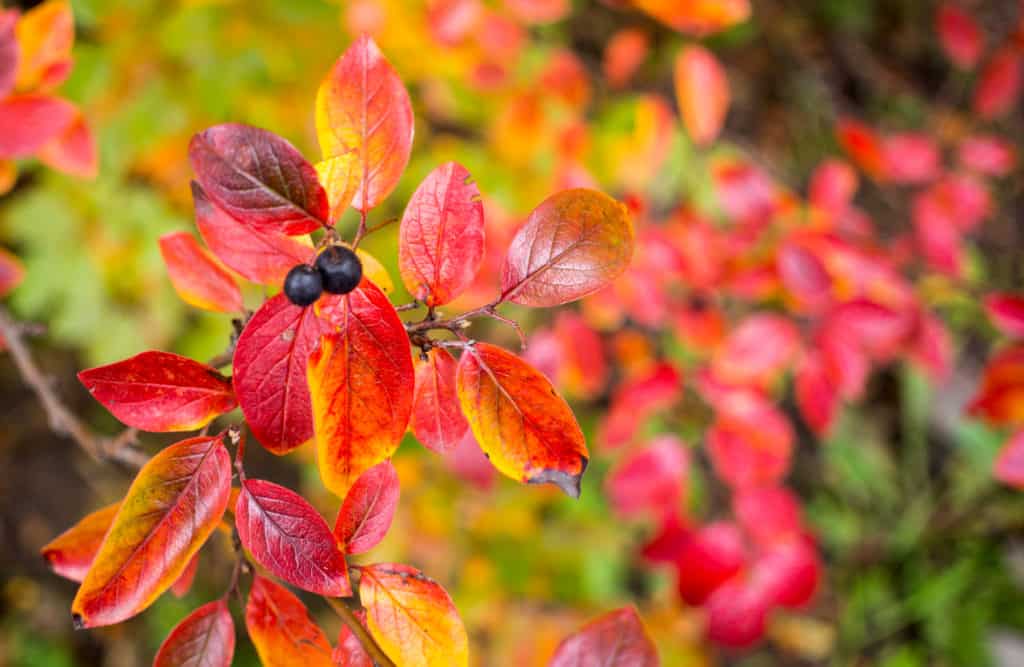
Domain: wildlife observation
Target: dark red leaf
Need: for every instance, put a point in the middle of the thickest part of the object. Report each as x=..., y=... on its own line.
x=999, y=88
x=205, y=638
x=616, y=639
x=960, y=35
x=369, y=507
x=712, y=556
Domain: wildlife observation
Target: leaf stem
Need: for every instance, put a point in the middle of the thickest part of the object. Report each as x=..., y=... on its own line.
x=371, y=646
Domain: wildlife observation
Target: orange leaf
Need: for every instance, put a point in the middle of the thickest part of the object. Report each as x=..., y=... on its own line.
x=702, y=91
x=73, y=151
x=573, y=244
x=205, y=638
x=617, y=639
x=159, y=391
x=526, y=429
x=437, y=420
x=170, y=510
x=361, y=381
x=197, y=277
x=45, y=37
x=71, y=553
x=362, y=112
x=9, y=52
x=697, y=17
x=281, y=629
x=412, y=617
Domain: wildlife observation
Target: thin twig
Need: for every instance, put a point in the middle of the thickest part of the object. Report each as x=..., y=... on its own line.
x=370, y=645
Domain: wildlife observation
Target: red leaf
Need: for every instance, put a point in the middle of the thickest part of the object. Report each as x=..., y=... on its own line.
x=1000, y=399
x=437, y=419
x=737, y=612
x=526, y=429
x=960, y=35
x=160, y=391
x=616, y=639
x=270, y=373
x=197, y=277
x=181, y=587
x=712, y=556
x=362, y=382
x=263, y=258
x=672, y=537
x=9, y=52
x=863, y=145
x=999, y=87
x=769, y=514
x=652, y=478
x=259, y=179
x=788, y=573
x=833, y=186
x=12, y=272
x=441, y=238
x=816, y=393
x=369, y=507
x=931, y=347
x=987, y=155
x=1006, y=312
x=170, y=510
x=635, y=400
x=757, y=351
x=910, y=158
x=879, y=330
x=73, y=151
x=702, y=91
x=349, y=651
x=365, y=125
x=623, y=55
x=750, y=444
x=286, y=535
x=281, y=629
x=804, y=275
x=573, y=244
x=205, y=638
x=1009, y=466
x=27, y=122
x=71, y=553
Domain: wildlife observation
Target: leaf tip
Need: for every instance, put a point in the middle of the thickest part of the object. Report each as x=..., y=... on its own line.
x=569, y=483
x=77, y=622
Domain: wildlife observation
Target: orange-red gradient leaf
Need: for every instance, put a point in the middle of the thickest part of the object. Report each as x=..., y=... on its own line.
x=263, y=258
x=697, y=17
x=286, y=535
x=73, y=151
x=573, y=244
x=361, y=381
x=441, y=238
x=526, y=429
x=27, y=122
x=197, y=277
x=702, y=91
x=160, y=391
x=368, y=509
x=281, y=630
x=170, y=510
x=71, y=553
x=9, y=51
x=616, y=639
x=205, y=638
x=183, y=585
x=437, y=420
x=45, y=36
x=270, y=373
x=363, y=111
x=259, y=179
x=412, y=618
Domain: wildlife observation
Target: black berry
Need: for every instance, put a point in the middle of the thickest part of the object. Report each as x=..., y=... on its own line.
x=340, y=268
x=303, y=285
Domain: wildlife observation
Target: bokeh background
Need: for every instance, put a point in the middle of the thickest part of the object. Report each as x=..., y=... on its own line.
x=923, y=553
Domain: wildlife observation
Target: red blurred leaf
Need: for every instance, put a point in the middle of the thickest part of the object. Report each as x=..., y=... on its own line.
x=988, y=155
x=181, y=587
x=1009, y=465
x=526, y=429
x=349, y=651
x=863, y=145
x=788, y=573
x=625, y=52
x=999, y=88
x=1007, y=312
x=583, y=370
x=652, y=478
x=702, y=91
x=437, y=419
x=362, y=383
x=573, y=244
x=28, y=122
x=816, y=394
x=369, y=507
x=170, y=510
x=960, y=35
x=412, y=617
x=365, y=125
x=768, y=514
x=270, y=373
x=281, y=630
x=713, y=555
x=71, y=553
x=879, y=330
x=286, y=535
x=160, y=391
x=636, y=399
x=205, y=638
x=452, y=21
x=260, y=257
x=441, y=238
x=197, y=277
x=616, y=639
x=804, y=275
x=469, y=463
x=757, y=351
x=910, y=158
x=12, y=272
x=1000, y=399
x=673, y=536
x=259, y=179
x=750, y=443
x=73, y=151
x=745, y=191
x=736, y=613
x=833, y=185
x=9, y=51
x=931, y=347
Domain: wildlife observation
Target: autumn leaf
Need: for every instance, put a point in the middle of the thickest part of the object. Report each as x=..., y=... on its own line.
x=361, y=381
x=73, y=151
x=183, y=585
x=160, y=391
x=697, y=17
x=170, y=510
x=259, y=179
x=526, y=429
x=1009, y=465
x=45, y=36
x=1000, y=398
x=286, y=535
x=412, y=617
x=12, y=272
x=702, y=90
x=9, y=51
x=988, y=155
x=960, y=35
x=441, y=237
x=197, y=277
x=71, y=553
x=368, y=509
x=624, y=54
x=349, y=651
x=616, y=639
x=262, y=257
x=281, y=630
x=365, y=125
x=28, y=122
x=270, y=373
x=205, y=638
x=999, y=87
x=1006, y=311
x=573, y=244
x=652, y=478
x=437, y=420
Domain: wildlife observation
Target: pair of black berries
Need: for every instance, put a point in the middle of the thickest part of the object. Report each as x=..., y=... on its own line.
x=337, y=270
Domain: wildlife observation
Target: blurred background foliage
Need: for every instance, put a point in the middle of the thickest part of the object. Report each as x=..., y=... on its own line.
x=924, y=558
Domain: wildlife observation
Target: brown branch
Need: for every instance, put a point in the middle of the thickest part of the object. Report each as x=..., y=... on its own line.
x=62, y=420
x=371, y=646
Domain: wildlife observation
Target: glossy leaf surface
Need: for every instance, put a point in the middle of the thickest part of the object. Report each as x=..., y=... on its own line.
x=197, y=277
x=205, y=638
x=281, y=630
x=437, y=419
